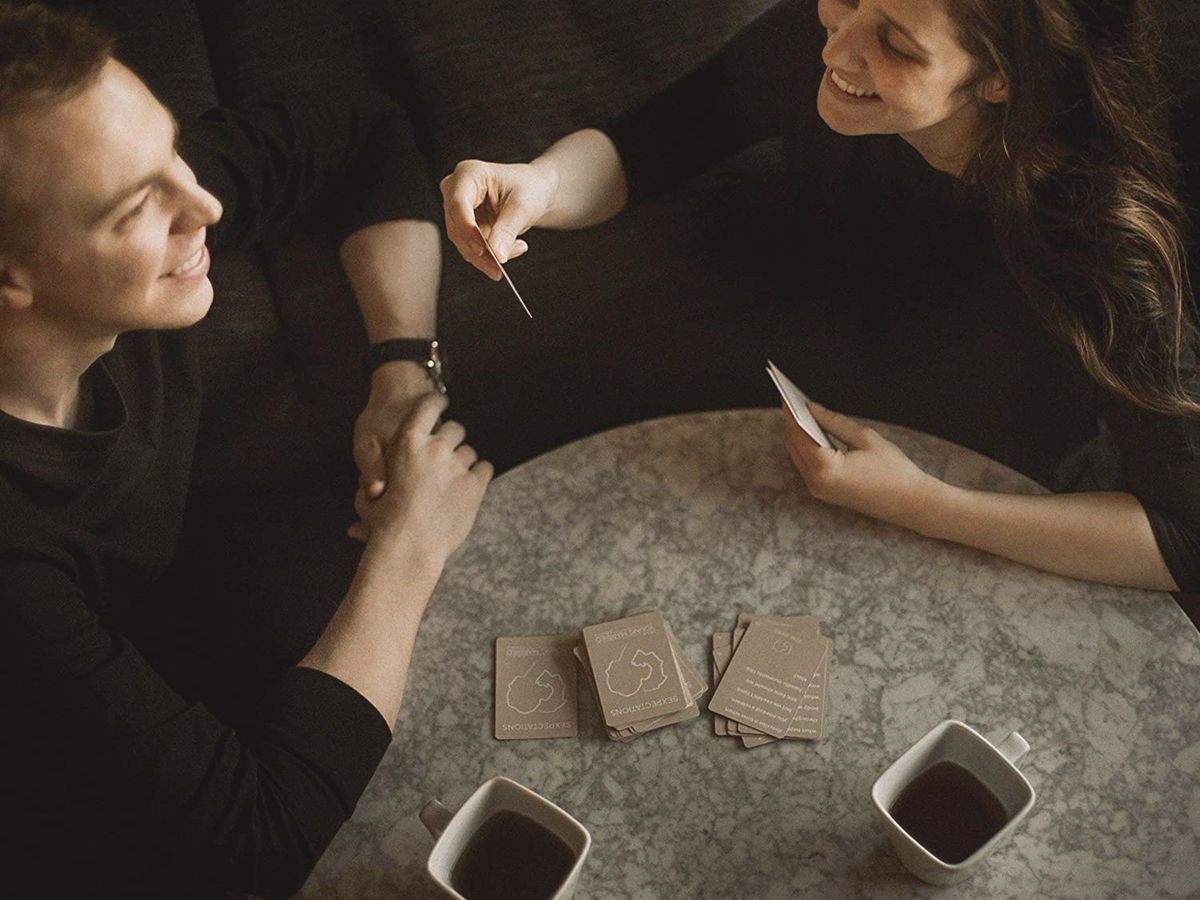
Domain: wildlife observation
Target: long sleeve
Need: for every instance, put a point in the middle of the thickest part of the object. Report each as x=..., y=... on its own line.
x=248, y=808
x=123, y=782
x=755, y=87
x=349, y=155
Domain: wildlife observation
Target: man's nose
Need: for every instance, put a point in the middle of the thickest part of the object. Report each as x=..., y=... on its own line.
x=199, y=209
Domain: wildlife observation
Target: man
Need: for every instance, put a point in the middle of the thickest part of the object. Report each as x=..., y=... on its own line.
x=118, y=779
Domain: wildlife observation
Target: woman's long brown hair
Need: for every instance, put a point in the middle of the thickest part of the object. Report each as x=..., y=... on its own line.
x=1080, y=178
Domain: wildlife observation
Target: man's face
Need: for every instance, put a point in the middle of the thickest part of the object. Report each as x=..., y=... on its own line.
x=117, y=219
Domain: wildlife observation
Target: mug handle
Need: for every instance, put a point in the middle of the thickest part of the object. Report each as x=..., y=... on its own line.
x=435, y=818
x=1014, y=747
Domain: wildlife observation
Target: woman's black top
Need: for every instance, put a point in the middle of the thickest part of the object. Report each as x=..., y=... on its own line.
x=929, y=327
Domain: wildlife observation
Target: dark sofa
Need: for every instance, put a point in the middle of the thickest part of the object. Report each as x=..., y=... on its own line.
x=637, y=318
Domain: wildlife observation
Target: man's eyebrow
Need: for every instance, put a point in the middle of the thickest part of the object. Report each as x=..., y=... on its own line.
x=126, y=192
x=904, y=31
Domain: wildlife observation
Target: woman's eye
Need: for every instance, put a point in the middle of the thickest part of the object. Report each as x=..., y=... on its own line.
x=891, y=48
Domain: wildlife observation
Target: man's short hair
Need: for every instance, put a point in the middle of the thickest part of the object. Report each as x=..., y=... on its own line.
x=46, y=56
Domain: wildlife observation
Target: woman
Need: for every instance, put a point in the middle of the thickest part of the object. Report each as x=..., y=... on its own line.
x=1046, y=115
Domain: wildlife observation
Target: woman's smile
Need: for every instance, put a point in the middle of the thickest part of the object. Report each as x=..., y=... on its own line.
x=847, y=90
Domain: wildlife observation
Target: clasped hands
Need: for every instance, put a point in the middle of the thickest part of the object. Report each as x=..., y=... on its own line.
x=418, y=478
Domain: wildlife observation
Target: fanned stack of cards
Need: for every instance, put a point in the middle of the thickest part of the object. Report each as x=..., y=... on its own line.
x=639, y=676
x=772, y=677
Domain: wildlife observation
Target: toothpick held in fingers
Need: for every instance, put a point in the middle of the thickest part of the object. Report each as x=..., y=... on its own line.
x=496, y=259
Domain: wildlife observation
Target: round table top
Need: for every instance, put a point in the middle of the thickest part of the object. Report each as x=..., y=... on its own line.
x=703, y=516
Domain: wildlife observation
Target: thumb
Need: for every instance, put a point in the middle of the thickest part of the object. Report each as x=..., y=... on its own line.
x=844, y=428
x=372, y=468
x=513, y=219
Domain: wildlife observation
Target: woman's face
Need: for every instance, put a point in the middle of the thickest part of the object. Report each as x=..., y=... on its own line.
x=895, y=67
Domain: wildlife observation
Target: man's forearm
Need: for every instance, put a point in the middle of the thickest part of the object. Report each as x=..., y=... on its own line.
x=1103, y=537
x=369, y=641
x=394, y=269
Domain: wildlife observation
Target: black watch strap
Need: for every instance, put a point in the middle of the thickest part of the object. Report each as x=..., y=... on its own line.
x=419, y=350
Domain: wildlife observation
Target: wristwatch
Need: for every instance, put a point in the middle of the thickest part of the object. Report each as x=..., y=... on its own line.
x=419, y=350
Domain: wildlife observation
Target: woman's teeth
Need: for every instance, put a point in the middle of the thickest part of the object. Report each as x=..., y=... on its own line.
x=848, y=88
x=190, y=264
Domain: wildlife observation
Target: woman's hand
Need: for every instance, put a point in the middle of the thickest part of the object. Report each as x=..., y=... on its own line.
x=435, y=484
x=504, y=201
x=871, y=476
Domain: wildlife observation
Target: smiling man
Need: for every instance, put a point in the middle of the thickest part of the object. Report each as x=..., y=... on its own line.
x=120, y=778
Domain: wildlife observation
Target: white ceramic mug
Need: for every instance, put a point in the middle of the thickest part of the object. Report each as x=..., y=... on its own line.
x=955, y=742
x=453, y=830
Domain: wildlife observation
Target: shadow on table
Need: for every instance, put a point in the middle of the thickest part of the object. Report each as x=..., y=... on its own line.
x=1190, y=604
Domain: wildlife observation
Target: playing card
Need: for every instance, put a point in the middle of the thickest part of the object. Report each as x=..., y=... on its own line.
x=808, y=723
x=797, y=404
x=635, y=670
x=535, y=688
x=504, y=273
x=766, y=680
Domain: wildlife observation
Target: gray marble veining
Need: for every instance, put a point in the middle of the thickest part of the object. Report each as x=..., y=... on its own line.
x=703, y=516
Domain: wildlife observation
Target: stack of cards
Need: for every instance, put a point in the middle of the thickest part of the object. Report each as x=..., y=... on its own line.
x=638, y=675
x=772, y=676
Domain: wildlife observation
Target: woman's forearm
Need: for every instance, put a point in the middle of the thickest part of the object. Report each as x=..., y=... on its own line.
x=1103, y=537
x=588, y=178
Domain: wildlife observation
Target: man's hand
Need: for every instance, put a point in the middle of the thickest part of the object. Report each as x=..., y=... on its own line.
x=395, y=389
x=871, y=476
x=435, y=484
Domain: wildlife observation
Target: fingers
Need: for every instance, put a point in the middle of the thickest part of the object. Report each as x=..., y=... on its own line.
x=424, y=417
x=513, y=219
x=844, y=428
x=463, y=191
x=466, y=455
x=452, y=433
x=372, y=467
x=482, y=473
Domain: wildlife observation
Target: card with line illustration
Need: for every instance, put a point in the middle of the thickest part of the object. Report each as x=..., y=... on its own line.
x=536, y=688
x=634, y=668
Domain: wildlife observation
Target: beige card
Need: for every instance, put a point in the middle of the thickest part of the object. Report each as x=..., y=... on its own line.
x=635, y=670
x=767, y=678
x=807, y=627
x=693, y=684
x=536, y=688
x=808, y=724
x=722, y=652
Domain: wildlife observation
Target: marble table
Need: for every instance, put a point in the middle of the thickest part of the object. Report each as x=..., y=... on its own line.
x=703, y=516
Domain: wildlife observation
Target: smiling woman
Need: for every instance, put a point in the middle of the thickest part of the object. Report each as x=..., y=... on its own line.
x=1039, y=214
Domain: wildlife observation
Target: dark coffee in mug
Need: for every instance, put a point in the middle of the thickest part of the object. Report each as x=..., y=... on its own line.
x=949, y=811
x=510, y=856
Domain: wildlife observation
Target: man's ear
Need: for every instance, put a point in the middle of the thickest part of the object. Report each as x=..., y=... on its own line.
x=994, y=90
x=16, y=291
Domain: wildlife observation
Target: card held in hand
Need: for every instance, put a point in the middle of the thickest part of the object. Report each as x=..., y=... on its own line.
x=635, y=670
x=536, y=688
x=797, y=404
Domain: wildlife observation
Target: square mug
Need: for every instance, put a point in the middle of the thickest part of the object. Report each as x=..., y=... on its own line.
x=452, y=831
x=956, y=742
